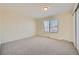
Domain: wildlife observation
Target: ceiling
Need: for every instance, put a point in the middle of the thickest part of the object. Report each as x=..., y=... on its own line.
x=35, y=10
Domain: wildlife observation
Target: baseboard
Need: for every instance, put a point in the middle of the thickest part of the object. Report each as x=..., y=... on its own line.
x=18, y=39
x=56, y=38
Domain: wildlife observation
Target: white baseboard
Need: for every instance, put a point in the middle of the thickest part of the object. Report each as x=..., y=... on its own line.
x=55, y=38
x=18, y=39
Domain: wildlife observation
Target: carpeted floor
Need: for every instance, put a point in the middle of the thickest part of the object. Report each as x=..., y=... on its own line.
x=38, y=46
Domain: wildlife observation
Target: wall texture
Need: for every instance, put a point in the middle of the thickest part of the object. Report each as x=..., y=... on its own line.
x=0, y=30
x=16, y=26
x=77, y=29
x=1, y=25
x=65, y=28
x=74, y=28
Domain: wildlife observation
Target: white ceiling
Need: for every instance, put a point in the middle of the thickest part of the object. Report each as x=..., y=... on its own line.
x=35, y=10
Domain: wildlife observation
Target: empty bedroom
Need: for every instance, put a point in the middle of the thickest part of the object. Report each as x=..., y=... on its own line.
x=39, y=29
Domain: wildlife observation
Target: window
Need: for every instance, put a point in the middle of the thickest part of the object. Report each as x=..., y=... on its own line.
x=46, y=26
x=51, y=25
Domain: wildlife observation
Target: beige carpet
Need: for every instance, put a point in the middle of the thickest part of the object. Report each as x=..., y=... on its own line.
x=38, y=46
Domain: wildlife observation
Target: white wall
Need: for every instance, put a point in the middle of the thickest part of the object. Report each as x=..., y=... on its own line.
x=65, y=28
x=0, y=29
x=77, y=28
x=1, y=25
x=74, y=36
x=16, y=26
